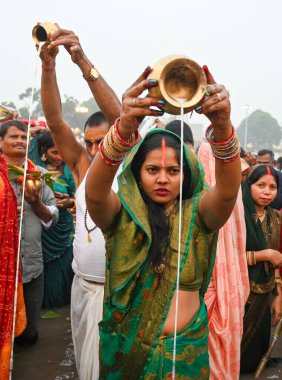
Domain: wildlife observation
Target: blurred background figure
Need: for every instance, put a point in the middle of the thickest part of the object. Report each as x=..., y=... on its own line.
x=263, y=259
x=39, y=212
x=175, y=127
x=266, y=157
x=226, y=295
x=57, y=241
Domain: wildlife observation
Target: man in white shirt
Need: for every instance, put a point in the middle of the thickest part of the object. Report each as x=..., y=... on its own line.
x=89, y=245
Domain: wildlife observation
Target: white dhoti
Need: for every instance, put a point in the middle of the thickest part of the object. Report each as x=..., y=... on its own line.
x=86, y=313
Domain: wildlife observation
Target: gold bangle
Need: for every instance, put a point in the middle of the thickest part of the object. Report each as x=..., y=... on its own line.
x=254, y=258
x=251, y=259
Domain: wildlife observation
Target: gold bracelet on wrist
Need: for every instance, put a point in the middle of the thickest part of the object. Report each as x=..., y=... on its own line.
x=251, y=259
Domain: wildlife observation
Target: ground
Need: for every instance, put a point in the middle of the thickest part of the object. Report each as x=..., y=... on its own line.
x=52, y=357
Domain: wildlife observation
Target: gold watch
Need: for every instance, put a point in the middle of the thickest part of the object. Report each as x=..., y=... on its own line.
x=93, y=75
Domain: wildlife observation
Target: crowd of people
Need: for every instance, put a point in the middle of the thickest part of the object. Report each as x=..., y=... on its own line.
x=170, y=271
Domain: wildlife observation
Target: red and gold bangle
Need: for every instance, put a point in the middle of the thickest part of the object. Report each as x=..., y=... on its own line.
x=226, y=151
x=132, y=139
x=113, y=148
x=105, y=158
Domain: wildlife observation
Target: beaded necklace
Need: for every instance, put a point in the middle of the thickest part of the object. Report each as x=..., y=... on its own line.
x=88, y=229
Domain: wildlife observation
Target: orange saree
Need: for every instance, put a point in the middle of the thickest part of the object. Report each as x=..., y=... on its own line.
x=8, y=263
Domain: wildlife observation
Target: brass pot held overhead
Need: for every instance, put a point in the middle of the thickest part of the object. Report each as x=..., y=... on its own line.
x=41, y=31
x=178, y=78
x=6, y=113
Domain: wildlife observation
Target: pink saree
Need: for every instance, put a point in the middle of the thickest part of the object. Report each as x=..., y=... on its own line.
x=229, y=287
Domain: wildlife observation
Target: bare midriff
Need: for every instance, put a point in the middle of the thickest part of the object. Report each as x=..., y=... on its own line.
x=188, y=305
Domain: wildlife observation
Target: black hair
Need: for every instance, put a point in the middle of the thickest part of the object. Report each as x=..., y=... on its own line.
x=242, y=153
x=262, y=170
x=266, y=151
x=175, y=127
x=13, y=123
x=95, y=120
x=158, y=220
x=45, y=142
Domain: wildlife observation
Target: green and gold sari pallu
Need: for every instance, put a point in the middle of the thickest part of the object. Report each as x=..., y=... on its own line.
x=137, y=302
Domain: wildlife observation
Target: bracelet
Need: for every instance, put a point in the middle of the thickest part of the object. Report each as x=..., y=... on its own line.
x=113, y=148
x=73, y=203
x=46, y=68
x=251, y=259
x=226, y=151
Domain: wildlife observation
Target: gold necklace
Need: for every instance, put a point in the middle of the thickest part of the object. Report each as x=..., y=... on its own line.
x=168, y=210
x=260, y=216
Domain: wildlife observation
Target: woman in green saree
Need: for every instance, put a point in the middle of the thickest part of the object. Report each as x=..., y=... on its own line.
x=141, y=229
x=263, y=257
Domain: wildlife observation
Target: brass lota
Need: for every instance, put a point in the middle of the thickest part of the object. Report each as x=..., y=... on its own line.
x=6, y=113
x=178, y=78
x=41, y=31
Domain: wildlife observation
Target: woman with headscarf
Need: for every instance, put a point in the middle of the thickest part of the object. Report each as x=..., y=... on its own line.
x=264, y=259
x=157, y=271
x=57, y=241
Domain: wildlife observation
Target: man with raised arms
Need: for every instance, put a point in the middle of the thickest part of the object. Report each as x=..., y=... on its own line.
x=89, y=245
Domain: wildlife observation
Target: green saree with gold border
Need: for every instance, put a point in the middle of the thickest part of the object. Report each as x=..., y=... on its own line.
x=136, y=303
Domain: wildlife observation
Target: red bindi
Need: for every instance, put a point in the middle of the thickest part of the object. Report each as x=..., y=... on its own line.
x=269, y=175
x=163, y=152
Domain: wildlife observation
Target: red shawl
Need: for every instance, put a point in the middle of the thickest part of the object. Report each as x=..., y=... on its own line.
x=8, y=262
x=281, y=242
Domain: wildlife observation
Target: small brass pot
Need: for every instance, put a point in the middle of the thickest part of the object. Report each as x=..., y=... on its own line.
x=40, y=32
x=178, y=78
x=5, y=113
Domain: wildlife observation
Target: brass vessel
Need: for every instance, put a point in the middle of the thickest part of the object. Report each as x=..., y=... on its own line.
x=41, y=31
x=6, y=113
x=178, y=78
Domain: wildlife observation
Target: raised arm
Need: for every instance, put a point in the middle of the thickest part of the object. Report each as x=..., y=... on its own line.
x=217, y=205
x=102, y=203
x=71, y=150
x=104, y=95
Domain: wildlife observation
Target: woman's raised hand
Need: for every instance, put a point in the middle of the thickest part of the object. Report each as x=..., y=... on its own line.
x=216, y=105
x=134, y=108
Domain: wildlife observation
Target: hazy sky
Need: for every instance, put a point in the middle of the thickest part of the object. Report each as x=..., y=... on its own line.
x=240, y=41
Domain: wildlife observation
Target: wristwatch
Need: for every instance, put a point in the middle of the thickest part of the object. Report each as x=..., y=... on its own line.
x=93, y=75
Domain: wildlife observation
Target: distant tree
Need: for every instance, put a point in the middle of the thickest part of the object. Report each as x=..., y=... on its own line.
x=263, y=131
x=71, y=108
x=9, y=104
x=91, y=105
x=36, y=108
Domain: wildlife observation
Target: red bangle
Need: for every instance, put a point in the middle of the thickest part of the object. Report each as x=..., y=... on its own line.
x=106, y=160
x=229, y=159
x=124, y=142
x=219, y=143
